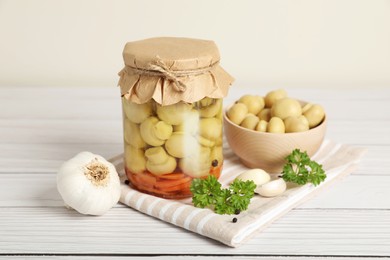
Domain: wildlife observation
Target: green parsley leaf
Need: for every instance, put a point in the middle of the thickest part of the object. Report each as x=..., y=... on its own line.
x=300, y=169
x=204, y=190
x=208, y=193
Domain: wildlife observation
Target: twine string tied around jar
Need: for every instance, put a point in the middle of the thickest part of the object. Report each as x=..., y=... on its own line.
x=161, y=69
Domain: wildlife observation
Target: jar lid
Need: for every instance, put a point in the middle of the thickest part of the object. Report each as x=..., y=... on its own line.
x=170, y=70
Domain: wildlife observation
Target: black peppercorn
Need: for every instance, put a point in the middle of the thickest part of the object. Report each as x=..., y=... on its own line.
x=127, y=182
x=234, y=220
x=237, y=211
x=214, y=163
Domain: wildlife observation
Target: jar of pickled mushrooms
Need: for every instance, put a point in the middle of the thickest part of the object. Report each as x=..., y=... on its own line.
x=172, y=91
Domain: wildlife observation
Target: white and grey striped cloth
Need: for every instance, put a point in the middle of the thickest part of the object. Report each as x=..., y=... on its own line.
x=338, y=160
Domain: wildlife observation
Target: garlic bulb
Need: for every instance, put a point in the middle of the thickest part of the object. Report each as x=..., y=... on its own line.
x=89, y=184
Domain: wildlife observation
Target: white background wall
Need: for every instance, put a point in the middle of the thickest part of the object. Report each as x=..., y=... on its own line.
x=274, y=43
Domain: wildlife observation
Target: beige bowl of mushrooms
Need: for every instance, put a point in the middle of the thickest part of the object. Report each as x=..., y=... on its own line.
x=263, y=131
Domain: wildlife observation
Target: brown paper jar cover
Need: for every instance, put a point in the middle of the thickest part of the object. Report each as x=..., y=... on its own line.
x=170, y=70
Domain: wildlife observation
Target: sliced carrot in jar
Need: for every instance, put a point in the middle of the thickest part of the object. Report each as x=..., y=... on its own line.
x=151, y=190
x=171, y=183
x=145, y=178
x=176, y=188
x=172, y=176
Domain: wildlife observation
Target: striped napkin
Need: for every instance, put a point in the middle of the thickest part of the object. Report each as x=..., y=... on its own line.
x=338, y=160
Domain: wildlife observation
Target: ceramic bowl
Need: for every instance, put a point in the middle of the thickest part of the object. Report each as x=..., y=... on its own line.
x=269, y=150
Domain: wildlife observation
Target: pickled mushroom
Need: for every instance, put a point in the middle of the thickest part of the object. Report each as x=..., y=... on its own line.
x=250, y=121
x=155, y=132
x=197, y=165
x=211, y=109
x=159, y=162
x=286, y=107
x=296, y=124
x=210, y=128
x=205, y=142
x=314, y=115
x=217, y=155
x=237, y=113
x=174, y=114
x=181, y=144
x=272, y=96
x=132, y=134
x=135, y=159
x=253, y=103
x=190, y=124
x=136, y=113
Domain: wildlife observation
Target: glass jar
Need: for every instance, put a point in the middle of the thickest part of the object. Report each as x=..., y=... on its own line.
x=172, y=91
x=167, y=146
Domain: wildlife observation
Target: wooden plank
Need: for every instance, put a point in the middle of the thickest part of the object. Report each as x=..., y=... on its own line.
x=104, y=103
x=61, y=131
x=356, y=132
x=375, y=161
x=354, y=191
x=125, y=231
x=110, y=132
x=196, y=257
x=63, y=103
x=47, y=157
x=376, y=93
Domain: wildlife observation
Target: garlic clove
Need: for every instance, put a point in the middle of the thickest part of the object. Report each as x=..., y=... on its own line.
x=89, y=184
x=272, y=188
x=258, y=176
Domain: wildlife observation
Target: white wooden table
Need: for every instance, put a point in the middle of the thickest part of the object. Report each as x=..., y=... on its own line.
x=42, y=127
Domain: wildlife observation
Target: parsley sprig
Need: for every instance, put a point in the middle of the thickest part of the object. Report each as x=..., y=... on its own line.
x=301, y=170
x=209, y=193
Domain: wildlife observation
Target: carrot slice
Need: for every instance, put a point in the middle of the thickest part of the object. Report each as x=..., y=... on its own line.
x=151, y=190
x=172, y=176
x=146, y=178
x=216, y=171
x=176, y=188
x=170, y=183
x=148, y=183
